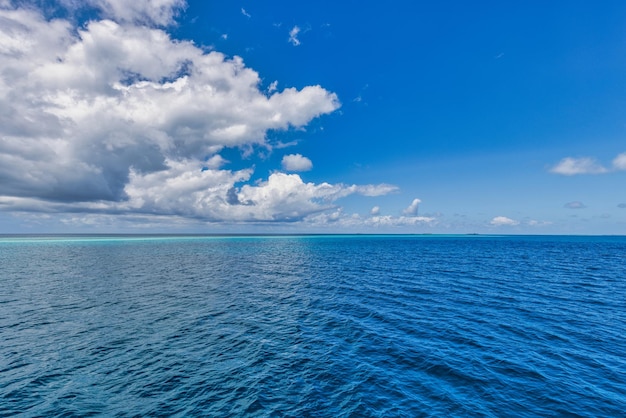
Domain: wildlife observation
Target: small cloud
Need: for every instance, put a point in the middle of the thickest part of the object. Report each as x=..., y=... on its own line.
x=411, y=210
x=571, y=166
x=293, y=36
x=622, y=206
x=224, y=36
x=296, y=162
x=574, y=205
x=216, y=162
x=358, y=99
x=503, y=221
x=281, y=145
x=273, y=86
x=375, y=211
x=500, y=55
x=246, y=14
x=619, y=163
x=533, y=222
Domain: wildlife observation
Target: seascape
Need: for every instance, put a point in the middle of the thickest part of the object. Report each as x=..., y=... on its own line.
x=313, y=325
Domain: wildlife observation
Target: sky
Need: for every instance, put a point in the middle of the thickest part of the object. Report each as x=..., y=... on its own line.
x=312, y=116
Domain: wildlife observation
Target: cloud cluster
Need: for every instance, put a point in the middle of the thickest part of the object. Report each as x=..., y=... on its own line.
x=115, y=116
x=571, y=166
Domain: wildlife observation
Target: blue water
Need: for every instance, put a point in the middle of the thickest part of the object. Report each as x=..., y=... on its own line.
x=325, y=326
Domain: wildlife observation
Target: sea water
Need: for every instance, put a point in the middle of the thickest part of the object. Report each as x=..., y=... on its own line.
x=325, y=326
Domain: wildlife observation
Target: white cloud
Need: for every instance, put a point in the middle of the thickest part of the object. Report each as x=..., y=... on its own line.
x=118, y=118
x=619, y=163
x=572, y=166
x=575, y=205
x=159, y=12
x=296, y=162
x=293, y=36
x=503, y=221
x=245, y=13
x=412, y=209
x=273, y=86
x=375, y=211
x=345, y=221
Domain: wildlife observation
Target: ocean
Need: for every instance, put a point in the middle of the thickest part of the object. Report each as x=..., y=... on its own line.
x=313, y=326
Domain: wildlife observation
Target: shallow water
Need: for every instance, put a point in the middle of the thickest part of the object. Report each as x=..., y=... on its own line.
x=313, y=326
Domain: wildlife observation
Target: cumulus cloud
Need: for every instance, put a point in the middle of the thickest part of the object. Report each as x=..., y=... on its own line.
x=412, y=209
x=503, y=221
x=572, y=166
x=375, y=211
x=574, y=205
x=115, y=117
x=296, y=162
x=159, y=12
x=293, y=36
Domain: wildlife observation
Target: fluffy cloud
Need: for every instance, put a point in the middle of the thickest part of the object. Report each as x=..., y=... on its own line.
x=619, y=163
x=503, y=221
x=296, y=162
x=572, y=166
x=115, y=116
x=411, y=210
x=159, y=12
x=375, y=211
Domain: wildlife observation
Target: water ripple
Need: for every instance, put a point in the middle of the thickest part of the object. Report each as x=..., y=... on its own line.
x=313, y=326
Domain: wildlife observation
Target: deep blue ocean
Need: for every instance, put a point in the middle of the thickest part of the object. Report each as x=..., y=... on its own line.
x=320, y=326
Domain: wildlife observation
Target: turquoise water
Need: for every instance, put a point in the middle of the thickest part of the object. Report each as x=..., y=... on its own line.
x=312, y=326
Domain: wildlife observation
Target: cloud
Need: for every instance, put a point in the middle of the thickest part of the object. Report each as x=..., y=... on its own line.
x=296, y=162
x=622, y=205
x=159, y=12
x=246, y=14
x=574, y=205
x=533, y=222
x=293, y=36
x=114, y=117
x=338, y=219
x=503, y=221
x=375, y=211
x=572, y=166
x=619, y=163
x=412, y=209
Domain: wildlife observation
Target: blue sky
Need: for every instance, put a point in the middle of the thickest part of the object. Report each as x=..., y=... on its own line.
x=323, y=116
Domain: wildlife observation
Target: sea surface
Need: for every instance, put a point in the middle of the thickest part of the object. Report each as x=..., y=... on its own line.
x=319, y=326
